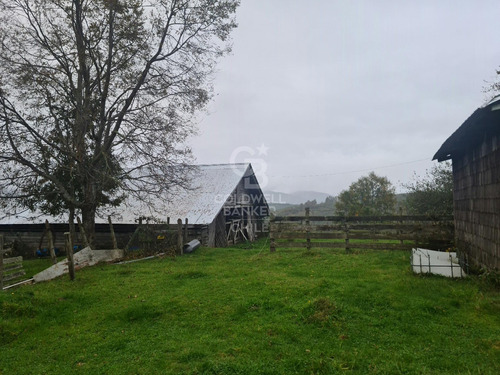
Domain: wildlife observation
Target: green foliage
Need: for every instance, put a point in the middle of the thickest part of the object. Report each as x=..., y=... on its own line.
x=370, y=195
x=245, y=311
x=433, y=193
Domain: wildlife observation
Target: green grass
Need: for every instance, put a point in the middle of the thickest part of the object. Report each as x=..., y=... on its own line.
x=247, y=311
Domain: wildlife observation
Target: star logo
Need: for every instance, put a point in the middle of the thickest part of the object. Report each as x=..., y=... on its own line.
x=262, y=149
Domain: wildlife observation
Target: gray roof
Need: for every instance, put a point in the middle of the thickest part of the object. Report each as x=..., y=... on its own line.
x=211, y=186
x=482, y=124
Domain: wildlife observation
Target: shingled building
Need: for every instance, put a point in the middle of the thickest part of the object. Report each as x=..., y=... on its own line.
x=474, y=149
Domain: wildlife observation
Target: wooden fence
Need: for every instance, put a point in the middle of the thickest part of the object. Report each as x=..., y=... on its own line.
x=397, y=232
x=154, y=238
x=28, y=238
x=11, y=269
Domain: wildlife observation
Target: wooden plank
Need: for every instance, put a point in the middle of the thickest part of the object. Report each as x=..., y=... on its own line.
x=296, y=227
x=308, y=224
x=12, y=267
x=365, y=234
x=380, y=236
x=19, y=283
x=360, y=219
x=185, y=238
x=304, y=235
x=12, y=260
x=290, y=244
x=13, y=276
x=180, y=237
x=393, y=226
x=380, y=246
x=328, y=245
x=354, y=236
x=302, y=218
x=352, y=245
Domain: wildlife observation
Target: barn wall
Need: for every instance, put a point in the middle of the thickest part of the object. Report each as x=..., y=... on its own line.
x=248, y=204
x=476, y=176
x=217, y=231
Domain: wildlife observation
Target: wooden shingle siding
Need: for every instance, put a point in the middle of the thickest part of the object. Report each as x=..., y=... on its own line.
x=477, y=202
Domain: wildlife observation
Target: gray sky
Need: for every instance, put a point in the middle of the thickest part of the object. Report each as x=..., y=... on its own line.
x=318, y=93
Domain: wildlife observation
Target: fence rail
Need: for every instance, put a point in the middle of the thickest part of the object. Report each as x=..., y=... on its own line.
x=11, y=269
x=394, y=232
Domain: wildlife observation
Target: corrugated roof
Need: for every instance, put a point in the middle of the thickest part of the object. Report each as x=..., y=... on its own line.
x=211, y=186
x=484, y=122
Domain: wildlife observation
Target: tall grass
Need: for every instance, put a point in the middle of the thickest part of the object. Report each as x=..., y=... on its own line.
x=247, y=311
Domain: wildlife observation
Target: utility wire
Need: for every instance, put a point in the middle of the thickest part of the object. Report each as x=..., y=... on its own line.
x=353, y=171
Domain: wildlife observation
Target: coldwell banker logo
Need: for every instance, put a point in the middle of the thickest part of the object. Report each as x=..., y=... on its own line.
x=254, y=156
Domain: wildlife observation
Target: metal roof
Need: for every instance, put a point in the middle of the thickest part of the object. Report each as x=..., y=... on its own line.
x=483, y=123
x=211, y=186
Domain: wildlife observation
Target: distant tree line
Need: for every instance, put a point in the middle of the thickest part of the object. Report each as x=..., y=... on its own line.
x=368, y=196
x=433, y=193
x=374, y=195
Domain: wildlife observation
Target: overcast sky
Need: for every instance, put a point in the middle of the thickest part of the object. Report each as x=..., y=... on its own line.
x=318, y=93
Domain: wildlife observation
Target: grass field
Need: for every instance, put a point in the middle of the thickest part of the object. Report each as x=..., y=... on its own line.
x=247, y=311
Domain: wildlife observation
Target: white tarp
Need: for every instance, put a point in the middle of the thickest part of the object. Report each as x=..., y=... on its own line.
x=436, y=262
x=83, y=258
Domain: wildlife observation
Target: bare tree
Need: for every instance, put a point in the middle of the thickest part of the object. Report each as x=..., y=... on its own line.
x=98, y=96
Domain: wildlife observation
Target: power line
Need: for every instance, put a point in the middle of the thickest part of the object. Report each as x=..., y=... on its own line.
x=353, y=171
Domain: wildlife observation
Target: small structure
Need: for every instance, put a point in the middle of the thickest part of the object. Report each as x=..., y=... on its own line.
x=474, y=149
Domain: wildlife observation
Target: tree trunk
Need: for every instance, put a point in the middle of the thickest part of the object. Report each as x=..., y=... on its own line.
x=71, y=221
x=88, y=218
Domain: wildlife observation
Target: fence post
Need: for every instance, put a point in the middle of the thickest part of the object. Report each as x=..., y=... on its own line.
x=134, y=235
x=179, y=237
x=272, y=249
x=272, y=244
x=400, y=231
x=186, y=230
x=308, y=229
x=1, y=262
x=50, y=239
x=112, y=231
x=69, y=252
x=346, y=231
x=147, y=237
